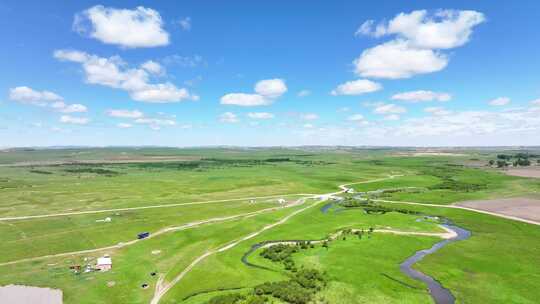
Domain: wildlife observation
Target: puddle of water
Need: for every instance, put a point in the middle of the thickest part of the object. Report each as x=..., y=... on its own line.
x=18, y=294
x=326, y=207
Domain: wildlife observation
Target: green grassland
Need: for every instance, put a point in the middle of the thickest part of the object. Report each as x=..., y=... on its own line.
x=500, y=263
x=311, y=225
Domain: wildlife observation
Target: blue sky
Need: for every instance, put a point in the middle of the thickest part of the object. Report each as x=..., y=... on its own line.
x=262, y=73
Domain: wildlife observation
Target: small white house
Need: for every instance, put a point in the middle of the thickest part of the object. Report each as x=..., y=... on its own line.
x=104, y=263
x=281, y=201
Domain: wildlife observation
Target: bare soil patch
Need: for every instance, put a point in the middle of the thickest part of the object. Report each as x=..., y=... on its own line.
x=524, y=172
x=17, y=294
x=525, y=208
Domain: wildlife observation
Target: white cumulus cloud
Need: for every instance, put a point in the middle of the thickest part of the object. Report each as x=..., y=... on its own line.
x=271, y=88
x=443, y=30
x=397, y=59
x=260, y=115
x=367, y=28
x=113, y=72
x=228, y=117
x=120, y=113
x=155, y=123
x=500, y=101
x=153, y=67
x=68, y=119
x=246, y=100
x=124, y=125
x=139, y=27
x=304, y=93
x=357, y=87
x=74, y=108
x=437, y=111
x=392, y=117
x=309, y=116
x=356, y=117
x=27, y=95
x=266, y=92
x=421, y=96
x=185, y=23
x=419, y=37
x=389, y=109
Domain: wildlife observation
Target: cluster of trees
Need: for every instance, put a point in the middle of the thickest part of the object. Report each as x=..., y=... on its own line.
x=457, y=185
x=279, y=252
x=370, y=207
x=299, y=289
x=40, y=171
x=351, y=202
x=283, y=253
x=448, y=174
x=518, y=159
x=92, y=170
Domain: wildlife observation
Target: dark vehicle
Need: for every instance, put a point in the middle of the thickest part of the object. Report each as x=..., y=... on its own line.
x=143, y=235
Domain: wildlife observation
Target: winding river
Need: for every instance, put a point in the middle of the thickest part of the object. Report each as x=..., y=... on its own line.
x=439, y=294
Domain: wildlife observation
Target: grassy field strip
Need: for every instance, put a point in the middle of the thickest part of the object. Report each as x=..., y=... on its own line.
x=160, y=290
x=146, y=207
x=155, y=234
x=462, y=208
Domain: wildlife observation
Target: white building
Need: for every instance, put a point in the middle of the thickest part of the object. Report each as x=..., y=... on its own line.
x=104, y=263
x=281, y=201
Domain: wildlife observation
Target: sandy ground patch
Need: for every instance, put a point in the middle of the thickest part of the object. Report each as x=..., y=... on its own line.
x=524, y=172
x=525, y=208
x=17, y=294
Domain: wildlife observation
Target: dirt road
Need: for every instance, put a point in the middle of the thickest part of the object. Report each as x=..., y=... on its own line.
x=27, y=217
x=462, y=208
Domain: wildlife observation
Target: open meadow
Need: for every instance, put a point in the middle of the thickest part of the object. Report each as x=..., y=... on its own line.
x=274, y=225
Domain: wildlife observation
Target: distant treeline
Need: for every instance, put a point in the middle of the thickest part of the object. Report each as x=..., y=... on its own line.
x=198, y=165
x=99, y=171
x=219, y=163
x=517, y=159
x=372, y=208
